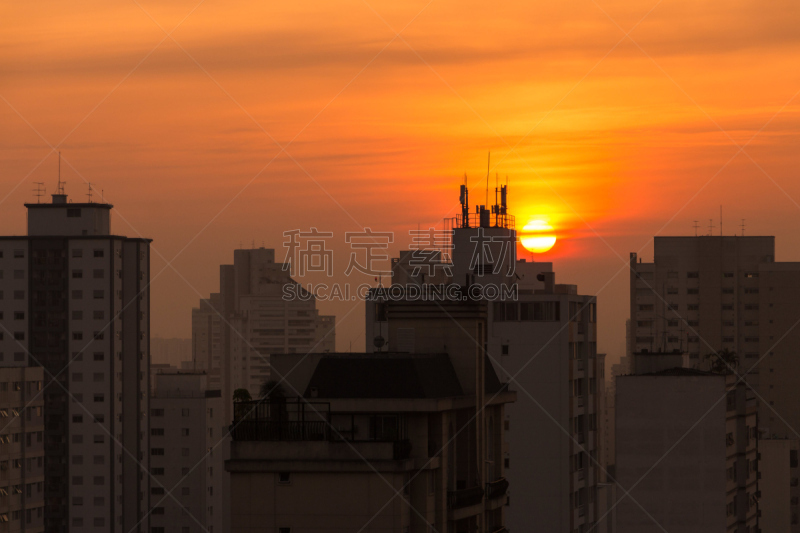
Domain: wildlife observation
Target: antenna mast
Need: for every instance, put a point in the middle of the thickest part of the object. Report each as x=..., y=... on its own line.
x=488, y=169
x=742, y=226
x=696, y=225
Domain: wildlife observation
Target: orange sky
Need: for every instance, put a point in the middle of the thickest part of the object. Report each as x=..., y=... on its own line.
x=610, y=137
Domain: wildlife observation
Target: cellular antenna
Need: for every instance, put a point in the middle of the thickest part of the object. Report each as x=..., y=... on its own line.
x=89, y=194
x=464, y=199
x=742, y=226
x=711, y=226
x=696, y=225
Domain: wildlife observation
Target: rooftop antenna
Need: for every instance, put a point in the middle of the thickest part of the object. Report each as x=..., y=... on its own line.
x=60, y=187
x=39, y=190
x=742, y=226
x=89, y=194
x=464, y=199
x=710, y=226
x=488, y=168
x=696, y=225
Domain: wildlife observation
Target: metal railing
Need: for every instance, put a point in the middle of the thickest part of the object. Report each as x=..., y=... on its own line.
x=496, y=488
x=458, y=499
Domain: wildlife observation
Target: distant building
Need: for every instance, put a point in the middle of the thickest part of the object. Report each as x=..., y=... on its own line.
x=686, y=452
x=378, y=442
x=172, y=351
x=21, y=449
x=190, y=491
x=77, y=302
x=778, y=486
x=235, y=330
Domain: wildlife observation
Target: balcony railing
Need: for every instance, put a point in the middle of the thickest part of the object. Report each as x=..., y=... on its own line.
x=458, y=499
x=501, y=530
x=497, y=488
x=270, y=430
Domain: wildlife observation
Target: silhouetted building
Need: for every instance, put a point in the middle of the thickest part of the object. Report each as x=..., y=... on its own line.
x=76, y=302
x=377, y=442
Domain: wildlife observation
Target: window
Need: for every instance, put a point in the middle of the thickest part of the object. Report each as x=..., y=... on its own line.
x=751, y=274
x=185, y=432
x=99, y=439
x=157, y=491
x=77, y=459
x=99, y=398
x=158, y=510
x=504, y=349
x=98, y=273
x=77, y=335
x=284, y=530
x=19, y=335
x=98, y=377
x=156, y=451
x=98, y=253
x=157, y=432
x=77, y=480
x=184, y=412
x=157, y=471
x=77, y=295
x=77, y=419
x=646, y=307
x=693, y=307
x=19, y=295
x=19, y=254
x=77, y=500
x=98, y=294
x=77, y=274
x=156, y=412
x=692, y=275
x=185, y=452
x=98, y=356
x=284, y=478
x=99, y=501
x=692, y=291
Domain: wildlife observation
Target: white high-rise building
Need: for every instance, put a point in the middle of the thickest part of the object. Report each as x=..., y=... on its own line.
x=74, y=299
x=541, y=340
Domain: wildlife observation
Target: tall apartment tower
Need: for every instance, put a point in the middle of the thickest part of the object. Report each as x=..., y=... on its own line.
x=75, y=301
x=187, y=457
x=541, y=339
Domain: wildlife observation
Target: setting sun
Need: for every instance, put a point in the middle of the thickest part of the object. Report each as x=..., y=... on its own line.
x=537, y=236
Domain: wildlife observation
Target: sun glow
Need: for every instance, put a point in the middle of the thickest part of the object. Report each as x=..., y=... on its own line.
x=537, y=236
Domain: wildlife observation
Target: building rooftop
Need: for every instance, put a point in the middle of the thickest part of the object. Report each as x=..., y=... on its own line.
x=390, y=375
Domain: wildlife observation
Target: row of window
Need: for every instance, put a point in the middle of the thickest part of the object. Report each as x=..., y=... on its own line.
x=159, y=432
x=160, y=412
x=17, y=254
x=16, y=515
x=693, y=275
x=160, y=451
x=695, y=307
x=18, y=274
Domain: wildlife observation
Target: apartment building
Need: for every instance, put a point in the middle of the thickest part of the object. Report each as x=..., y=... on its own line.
x=541, y=338
x=189, y=492
x=377, y=442
x=235, y=330
x=21, y=450
x=76, y=303
x=686, y=452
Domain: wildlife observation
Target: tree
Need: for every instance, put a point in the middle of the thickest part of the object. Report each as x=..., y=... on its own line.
x=241, y=395
x=724, y=361
x=272, y=389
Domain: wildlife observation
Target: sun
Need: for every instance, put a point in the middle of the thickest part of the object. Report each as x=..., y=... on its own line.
x=537, y=236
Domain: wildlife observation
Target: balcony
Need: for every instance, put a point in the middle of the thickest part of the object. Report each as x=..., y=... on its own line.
x=497, y=488
x=273, y=430
x=458, y=499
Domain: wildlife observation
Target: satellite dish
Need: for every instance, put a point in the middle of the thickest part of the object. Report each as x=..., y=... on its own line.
x=379, y=341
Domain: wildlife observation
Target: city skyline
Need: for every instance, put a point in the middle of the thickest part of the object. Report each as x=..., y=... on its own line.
x=625, y=133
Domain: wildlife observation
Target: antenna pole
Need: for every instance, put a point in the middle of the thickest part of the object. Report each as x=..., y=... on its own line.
x=720, y=220
x=696, y=225
x=488, y=168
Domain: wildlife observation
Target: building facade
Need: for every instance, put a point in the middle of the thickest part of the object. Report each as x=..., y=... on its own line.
x=189, y=493
x=21, y=450
x=377, y=442
x=76, y=302
x=687, y=453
